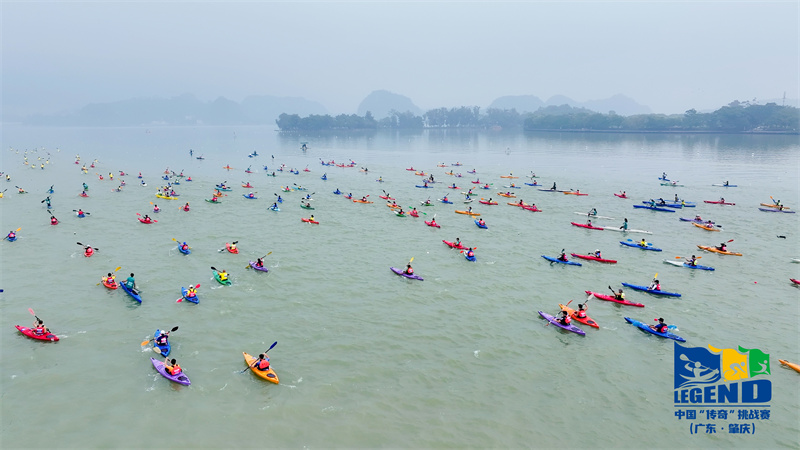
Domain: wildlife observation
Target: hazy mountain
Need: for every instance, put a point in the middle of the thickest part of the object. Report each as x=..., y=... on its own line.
x=184, y=109
x=619, y=103
x=381, y=103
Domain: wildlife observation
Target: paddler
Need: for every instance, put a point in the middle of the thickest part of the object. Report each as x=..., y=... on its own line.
x=273, y=207
x=85, y=187
x=692, y=261
x=262, y=363
x=597, y=253
x=660, y=327
x=593, y=212
x=554, y=186
x=260, y=262
x=619, y=295
x=251, y=195
x=233, y=247
x=312, y=218
x=481, y=222
x=457, y=243
x=722, y=247
x=564, y=319
x=563, y=256
x=109, y=278
x=172, y=367
x=470, y=253
x=186, y=206
x=223, y=275
x=184, y=246
x=643, y=243
x=676, y=198
x=589, y=222
x=38, y=327
x=131, y=283
x=156, y=208
x=655, y=285
x=580, y=313
x=163, y=338
x=53, y=220
x=409, y=270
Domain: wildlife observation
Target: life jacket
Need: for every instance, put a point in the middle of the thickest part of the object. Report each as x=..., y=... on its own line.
x=581, y=314
x=39, y=330
x=53, y=221
x=661, y=327
x=174, y=370
x=185, y=247
x=161, y=339
x=409, y=270
x=223, y=276
x=89, y=251
x=262, y=364
x=470, y=253
x=565, y=320
x=191, y=293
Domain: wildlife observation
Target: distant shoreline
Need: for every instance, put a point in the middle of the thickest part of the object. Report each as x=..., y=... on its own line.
x=577, y=130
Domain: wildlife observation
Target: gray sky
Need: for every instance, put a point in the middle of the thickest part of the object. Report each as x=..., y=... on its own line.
x=670, y=56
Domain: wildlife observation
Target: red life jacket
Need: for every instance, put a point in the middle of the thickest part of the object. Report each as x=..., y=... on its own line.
x=262, y=364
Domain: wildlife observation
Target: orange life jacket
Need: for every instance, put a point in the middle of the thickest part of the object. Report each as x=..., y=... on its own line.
x=262, y=364
x=174, y=370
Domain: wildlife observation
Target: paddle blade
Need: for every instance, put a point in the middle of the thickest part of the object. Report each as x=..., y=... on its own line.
x=30, y=310
x=271, y=346
x=120, y=267
x=144, y=342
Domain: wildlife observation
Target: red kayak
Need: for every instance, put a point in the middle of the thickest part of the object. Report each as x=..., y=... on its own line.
x=532, y=208
x=309, y=221
x=413, y=213
x=460, y=246
x=148, y=221
x=583, y=225
x=594, y=258
x=42, y=337
x=231, y=249
x=718, y=202
x=621, y=195
x=89, y=251
x=613, y=299
x=794, y=281
x=486, y=202
x=432, y=224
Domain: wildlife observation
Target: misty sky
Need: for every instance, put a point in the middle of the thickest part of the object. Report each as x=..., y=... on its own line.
x=670, y=56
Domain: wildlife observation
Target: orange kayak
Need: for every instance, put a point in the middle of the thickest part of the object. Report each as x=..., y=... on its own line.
x=501, y=194
x=705, y=227
x=268, y=374
x=458, y=211
x=361, y=201
x=586, y=320
x=794, y=366
x=711, y=249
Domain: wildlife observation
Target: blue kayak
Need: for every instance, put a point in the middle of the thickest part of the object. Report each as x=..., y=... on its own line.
x=478, y=223
x=634, y=244
x=725, y=185
x=688, y=266
x=130, y=292
x=645, y=327
x=194, y=299
x=248, y=197
x=550, y=190
x=423, y=187
x=469, y=258
x=653, y=208
x=673, y=204
x=185, y=252
x=11, y=239
x=164, y=348
x=556, y=260
x=445, y=201
x=650, y=291
x=337, y=192
x=275, y=208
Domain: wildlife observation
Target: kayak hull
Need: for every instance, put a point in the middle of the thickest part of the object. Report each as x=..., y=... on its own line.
x=181, y=378
x=185, y=252
x=590, y=227
x=715, y=250
x=405, y=275
x=261, y=269
x=635, y=245
x=688, y=266
x=584, y=320
x=39, y=337
x=184, y=293
x=651, y=291
x=645, y=327
x=231, y=249
x=718, y=202
x=556, y=260
x=555, y=322
x=268, y=374
x=165, y=349
x=594, y=258
x=450, y=244
x=220, y=281
x=478, y=223
x=629, y=230
x=610, y=298
x=653, y=208
x=432, y=224
x=130, y=292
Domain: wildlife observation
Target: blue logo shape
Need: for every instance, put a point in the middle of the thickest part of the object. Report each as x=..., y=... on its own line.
x=696, y=366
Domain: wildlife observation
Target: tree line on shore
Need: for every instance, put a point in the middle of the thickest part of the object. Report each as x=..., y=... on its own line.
x=736, y=117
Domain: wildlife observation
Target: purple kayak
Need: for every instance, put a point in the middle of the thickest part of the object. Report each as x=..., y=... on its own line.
x=262, y=268
x=181, y=378
x=403, y=274
x=555, y=322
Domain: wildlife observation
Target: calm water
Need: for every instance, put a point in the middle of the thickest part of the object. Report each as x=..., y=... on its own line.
x=366, y=358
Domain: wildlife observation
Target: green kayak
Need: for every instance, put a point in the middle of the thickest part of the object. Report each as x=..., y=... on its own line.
x=225, y=283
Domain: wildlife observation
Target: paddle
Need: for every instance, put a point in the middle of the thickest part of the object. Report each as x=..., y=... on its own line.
x=770, y=197
x=175, y=328
x=87, y=213
x=248, y=266
x=181, y=299
x=115, y=270
x=30, y=310
x=270, y=348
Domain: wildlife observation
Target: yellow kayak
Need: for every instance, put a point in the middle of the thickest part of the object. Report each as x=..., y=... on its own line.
x=166, y=197
x=794, y=366
x=458, y=211
x=715, y=250
x=268, y=375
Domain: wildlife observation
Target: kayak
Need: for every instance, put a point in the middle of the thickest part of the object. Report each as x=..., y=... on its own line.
x=431, y=223
x=486, y=202
x=309, y=220
x=31, y=334
x=164, y=348
x=403, y=274
x=148, y=221
x=684, y=219
x=262, y=268
x=519, y=204
x=88, y=252
x=167, y=197
x=672, y=184
x=725, y=185
x=502, y=194
x=450, y=244
x=574, y=193
x=634, y=244
x=444, y=200
x=705, y=227
x=718, y=202
x=584, y=320
x=469, y=258
x=532, y=208
x=688, y=266
x=311, y=207
x=399, y=214
x=550, y=190
x=112, y=285
x=248, y=185
x=337, y=192
x=185, y=252
x=772, y=205
x=533, y=184
x=594, y=258
x=650, y=291
x=611, y=298
x=795, y=281
x=794, y=366
x=556, y=260
x=715, y=250
x=458, y=211
x=621, y=195
x=583, y=225
x=194, y=299
x=231, y=249
x=480, y=225
x=180, y=378
x=268, y=374
x=645, y=327
x=654, y=208
x=423, y=187
x=355, y=200
x=593, y=216
x=130, y=292
x=775, y=210
x=275, y=208
x=413, y=213
x=555, y=322
x=224, y=283
x=508, y=176
x=213, y=201
x=629, y=230
x=248, y=197
x=509, y=186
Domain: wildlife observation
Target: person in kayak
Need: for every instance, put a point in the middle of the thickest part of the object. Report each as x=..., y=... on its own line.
x=312, y=218
x=401, y=212
x=85, y=187
x=409, y=270
x=554, y=186
x=214, y=198
x=643, y=243
x=597, y=253
x=274, y=206
x=654, y=286
x=163, y=338
x=131, y=283
x=363, y=199
x=563, y=256
x=262, y=363
x=233, y=247
x=53, y=220
x=676, y=198
x=726, y=183
x=581, y=312
x=660, y=327
x=156, y=208
x=21, y=191
x=564, y=319
x=260, y=262
x=457, y=243
x=469, y=210
x=186, y=206
x=81, y=213
x=172, y=367
x=223, y=275
x=88, y=250
x=308, y=205
x=652, y=203
x=109, y=278
x=184, y=246
x=589, y=222
x=619, y=295
x=470, y=253
x=722, y=247
x=147, y=219
x=444, y=199
x=39, y=328
x=664, y=175
x=481, y=222
x=593, y=212
x=433, y=222
x=692, y=261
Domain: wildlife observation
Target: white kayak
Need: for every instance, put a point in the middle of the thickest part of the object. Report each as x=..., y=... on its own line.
x=797, y=260
x=591, y=216
x=629, y=230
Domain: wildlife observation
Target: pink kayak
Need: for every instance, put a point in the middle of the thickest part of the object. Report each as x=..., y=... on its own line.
x=613, y=299
x=432, y=224
x=718, y=202
x=594, y=258
x=450, y=244
x=583, y=225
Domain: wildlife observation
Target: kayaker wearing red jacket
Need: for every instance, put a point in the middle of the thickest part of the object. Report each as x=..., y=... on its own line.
x=39, y=328
x=661, y=327
x=581, y=312
x=262, y=363
x=654, y=286
x=409, y=270
x=564, y=319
